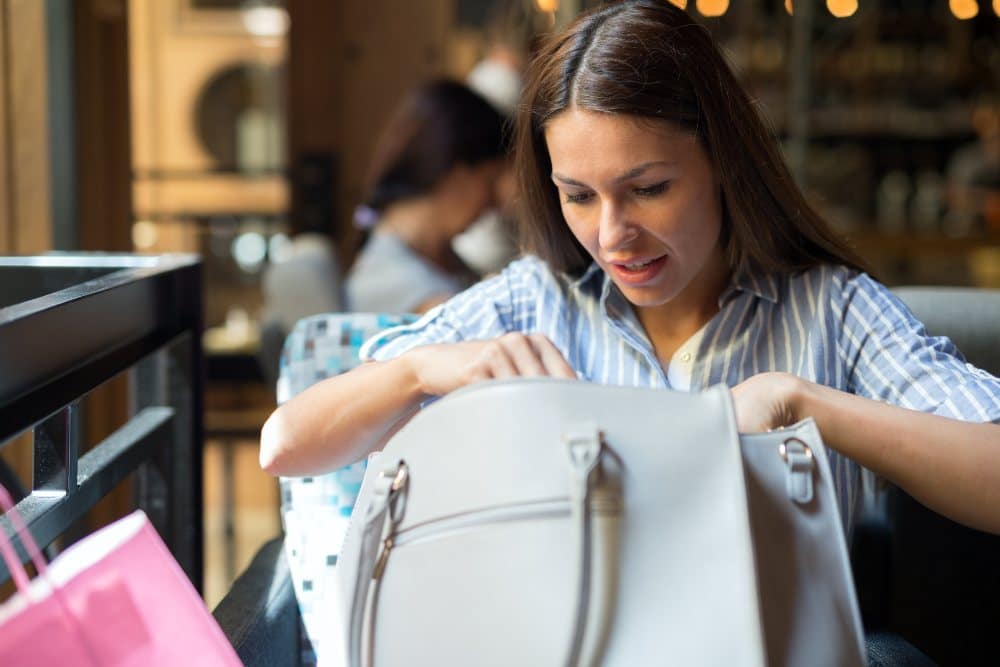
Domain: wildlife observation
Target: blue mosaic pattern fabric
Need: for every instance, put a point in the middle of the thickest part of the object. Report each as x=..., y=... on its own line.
x=315, y=510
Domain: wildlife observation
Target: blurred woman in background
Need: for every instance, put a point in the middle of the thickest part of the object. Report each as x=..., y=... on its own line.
x=434, y=171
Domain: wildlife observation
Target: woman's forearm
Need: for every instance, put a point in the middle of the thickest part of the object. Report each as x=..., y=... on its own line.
x=951, y=466
x=339, y=420
x=344, y=418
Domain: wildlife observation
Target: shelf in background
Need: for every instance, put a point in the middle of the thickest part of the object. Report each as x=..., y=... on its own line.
x=922, y=244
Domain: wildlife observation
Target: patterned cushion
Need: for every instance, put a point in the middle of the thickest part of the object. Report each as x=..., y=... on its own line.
x=315, y=510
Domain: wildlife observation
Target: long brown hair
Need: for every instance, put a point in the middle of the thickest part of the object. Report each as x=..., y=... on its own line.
x=649, y=59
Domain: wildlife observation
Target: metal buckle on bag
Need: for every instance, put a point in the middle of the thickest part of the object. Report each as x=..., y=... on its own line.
x=783, y=449
x=583, y=443
x=396, y=504
x=800, y=461
x=400, y=479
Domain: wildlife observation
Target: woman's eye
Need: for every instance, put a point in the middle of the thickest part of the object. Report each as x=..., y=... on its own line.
x=577, y=197
x=652, y=190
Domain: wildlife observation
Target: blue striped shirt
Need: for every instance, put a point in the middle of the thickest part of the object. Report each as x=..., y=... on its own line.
x=831, y=325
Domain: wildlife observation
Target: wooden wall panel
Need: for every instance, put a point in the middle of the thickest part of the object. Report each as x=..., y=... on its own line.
x=6, y=212
x=104, y=157
x=350, y=63
x=25, y=192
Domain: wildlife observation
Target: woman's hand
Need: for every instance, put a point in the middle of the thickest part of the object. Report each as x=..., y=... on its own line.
x=951, y=466
x=441, y=369
x=767, y=401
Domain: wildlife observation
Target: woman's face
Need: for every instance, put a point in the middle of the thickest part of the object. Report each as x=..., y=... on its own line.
x=641, y=196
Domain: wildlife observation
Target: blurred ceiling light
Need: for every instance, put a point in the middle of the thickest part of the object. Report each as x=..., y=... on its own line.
x=963, y=9
x=712, y=7
x=266, y=21
x=682, y=4
x=789, y=8
x=279, y=248
x=144, y=235
x=249, y=250
x=996, y=7
x=549, y=6
x=842, y=8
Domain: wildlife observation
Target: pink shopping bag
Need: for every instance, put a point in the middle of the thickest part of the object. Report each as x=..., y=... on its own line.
x=116, y=597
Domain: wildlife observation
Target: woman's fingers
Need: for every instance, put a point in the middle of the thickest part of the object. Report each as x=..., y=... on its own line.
x=523, y=355
x=552, y=360
x=499, y=362
x=441, y=369
x=764, y=402
x=534, y=355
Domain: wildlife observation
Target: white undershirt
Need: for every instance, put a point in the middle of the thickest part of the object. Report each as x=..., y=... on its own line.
x=682, y=363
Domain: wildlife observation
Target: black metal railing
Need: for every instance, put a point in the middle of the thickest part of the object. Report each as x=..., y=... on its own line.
x=68, y=324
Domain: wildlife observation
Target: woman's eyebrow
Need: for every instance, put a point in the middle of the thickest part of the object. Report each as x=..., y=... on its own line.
x=631, y=173
x=638, y=171
x=566, y=180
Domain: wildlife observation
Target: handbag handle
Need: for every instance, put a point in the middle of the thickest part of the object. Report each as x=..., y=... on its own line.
x=383, y=515
x=585, y=447
x=14, y=566
x=594, y=542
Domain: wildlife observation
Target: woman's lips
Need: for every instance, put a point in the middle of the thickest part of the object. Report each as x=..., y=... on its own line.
x=636, y=273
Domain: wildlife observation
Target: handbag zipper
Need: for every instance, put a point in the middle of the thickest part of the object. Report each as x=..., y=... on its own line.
x=437, y=528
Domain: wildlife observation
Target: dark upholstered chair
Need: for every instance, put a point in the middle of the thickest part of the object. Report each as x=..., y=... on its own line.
x=920, y=576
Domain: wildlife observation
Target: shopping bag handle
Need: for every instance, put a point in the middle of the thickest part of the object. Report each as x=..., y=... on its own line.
x=20, y=575
x=14, y=566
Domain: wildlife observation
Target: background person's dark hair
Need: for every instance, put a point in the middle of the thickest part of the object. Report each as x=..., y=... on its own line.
x=439, y=125
x=649, y=59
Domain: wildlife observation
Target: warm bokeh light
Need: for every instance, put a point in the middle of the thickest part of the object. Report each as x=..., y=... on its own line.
x=144, y=235
x=843, y=8
x=549, y=6
x=712, y=7
x=266, y=21
x=684, y=3
x=996, y=7
x=963, y=9
x=788, y=7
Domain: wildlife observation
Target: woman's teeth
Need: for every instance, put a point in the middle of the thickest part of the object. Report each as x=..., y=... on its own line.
x=637, y=267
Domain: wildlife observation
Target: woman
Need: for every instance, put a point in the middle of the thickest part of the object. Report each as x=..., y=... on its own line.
x=674, y=250
x=434, y=171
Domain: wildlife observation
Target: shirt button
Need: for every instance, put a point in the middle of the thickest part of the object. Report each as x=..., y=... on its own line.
x=686, y=357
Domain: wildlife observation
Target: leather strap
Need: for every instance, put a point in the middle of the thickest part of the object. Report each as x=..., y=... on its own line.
x=385, y=508
x=583, y=445
x=798, y=458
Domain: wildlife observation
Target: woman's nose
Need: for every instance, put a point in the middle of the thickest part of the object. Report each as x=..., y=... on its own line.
x=615, y=230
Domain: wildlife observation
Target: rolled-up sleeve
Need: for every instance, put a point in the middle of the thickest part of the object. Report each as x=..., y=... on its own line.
x=486, y=310
x=890, y=357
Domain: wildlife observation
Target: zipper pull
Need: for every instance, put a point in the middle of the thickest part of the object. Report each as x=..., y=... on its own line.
x=395, y=504
x=382, y=558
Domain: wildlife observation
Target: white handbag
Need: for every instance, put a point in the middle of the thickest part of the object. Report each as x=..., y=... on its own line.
x=551, y=522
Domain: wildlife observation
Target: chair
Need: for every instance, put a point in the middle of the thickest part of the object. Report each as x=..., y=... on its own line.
x=919, y=576
x=285, y=579
x=305, y=281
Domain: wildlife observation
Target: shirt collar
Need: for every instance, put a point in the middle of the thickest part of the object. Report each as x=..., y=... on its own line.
x=597, y=282
x=592, y=273
x=764, y=286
